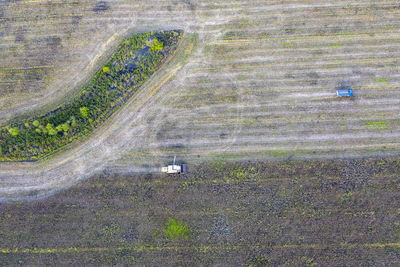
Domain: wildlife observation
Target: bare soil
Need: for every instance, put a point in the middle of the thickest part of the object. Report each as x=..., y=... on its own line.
x=294, y=213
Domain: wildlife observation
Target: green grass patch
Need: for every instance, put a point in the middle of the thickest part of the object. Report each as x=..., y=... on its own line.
x=174, y=229
x=238, y=173
x=136, y=59
x=381, y=80
x=376, y=124
x=336, y=45
x=276, y=153
x=109, y=231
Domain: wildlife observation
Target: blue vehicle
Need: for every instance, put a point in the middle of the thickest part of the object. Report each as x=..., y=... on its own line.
x=344, y=92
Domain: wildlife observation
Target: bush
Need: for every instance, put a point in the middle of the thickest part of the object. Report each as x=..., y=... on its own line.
x=13, y=131
x=174, y=229
x=156, y=45
x=65, y=127
x=50, y=129
x=84, y=112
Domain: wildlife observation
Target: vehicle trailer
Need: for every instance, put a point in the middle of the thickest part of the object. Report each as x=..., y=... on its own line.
x=183, y=168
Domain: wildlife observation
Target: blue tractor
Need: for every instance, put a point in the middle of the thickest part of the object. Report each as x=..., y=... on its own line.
x=344, y=92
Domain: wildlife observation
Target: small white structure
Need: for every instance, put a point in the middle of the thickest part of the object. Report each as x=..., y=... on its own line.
x=174, y=169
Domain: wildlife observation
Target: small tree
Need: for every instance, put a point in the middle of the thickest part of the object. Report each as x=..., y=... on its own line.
x=65, y=126
x=84, y=112
x=59, y=128
x=14, y=131
x=155, y=45
x=50, y=129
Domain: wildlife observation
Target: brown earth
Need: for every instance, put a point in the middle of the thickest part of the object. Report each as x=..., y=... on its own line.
x=295, y=213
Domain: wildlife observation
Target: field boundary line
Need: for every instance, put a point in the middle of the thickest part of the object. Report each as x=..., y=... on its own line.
x=199, y=248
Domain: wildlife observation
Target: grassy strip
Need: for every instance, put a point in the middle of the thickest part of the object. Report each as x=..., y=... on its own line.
x=376, y=124
x=136, y=59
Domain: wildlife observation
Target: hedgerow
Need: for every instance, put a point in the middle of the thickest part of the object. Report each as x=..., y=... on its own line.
x=137, y=58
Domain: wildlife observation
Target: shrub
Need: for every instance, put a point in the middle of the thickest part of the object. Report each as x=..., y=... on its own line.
x=14, y=131
x=156, y=45
x=65, y=127
x=174, y=229
x=59, y=128
x=106, y=69
x=84, y=112
x=239, y=173
x=50, y=129
x=35, y=123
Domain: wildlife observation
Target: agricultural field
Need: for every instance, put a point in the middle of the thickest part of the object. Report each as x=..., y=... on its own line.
x=297, y=213
x=254, y=80
x=251, y=81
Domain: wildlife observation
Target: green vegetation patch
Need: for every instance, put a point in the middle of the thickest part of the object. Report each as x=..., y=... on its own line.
x=155, y=45
x=277, y=153
x=382, y=80
x=13, y=131
x=239, y=173
x=336, y=45
x=136, y=59
x=376, y=124
x=174, y=229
